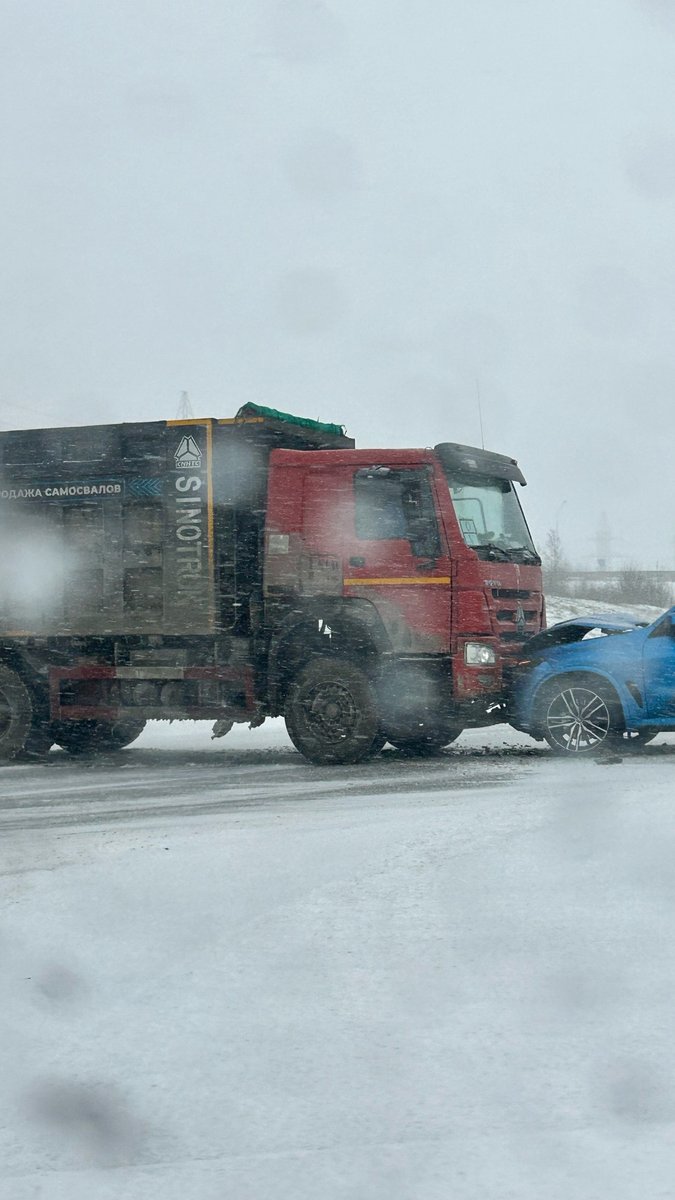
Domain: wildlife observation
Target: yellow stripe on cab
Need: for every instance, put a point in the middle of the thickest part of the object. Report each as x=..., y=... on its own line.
x=397, y=581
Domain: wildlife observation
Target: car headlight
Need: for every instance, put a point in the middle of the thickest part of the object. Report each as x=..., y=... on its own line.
x=477, y=654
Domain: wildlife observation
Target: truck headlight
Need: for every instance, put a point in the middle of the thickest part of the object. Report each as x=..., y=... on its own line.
x=477, y=654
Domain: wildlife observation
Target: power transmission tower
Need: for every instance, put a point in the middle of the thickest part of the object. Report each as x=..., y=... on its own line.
x=185, y=412
x=603, y=544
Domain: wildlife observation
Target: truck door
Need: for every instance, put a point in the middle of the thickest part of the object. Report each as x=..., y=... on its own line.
x=398, y=557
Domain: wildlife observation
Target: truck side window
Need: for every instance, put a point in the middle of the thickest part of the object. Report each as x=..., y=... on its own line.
x=396, y=505
x=379, y=506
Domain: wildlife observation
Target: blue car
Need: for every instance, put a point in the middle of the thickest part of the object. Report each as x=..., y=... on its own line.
x=595, y=682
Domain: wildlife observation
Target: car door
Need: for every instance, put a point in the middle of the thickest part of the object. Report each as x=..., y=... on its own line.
x=659, y=670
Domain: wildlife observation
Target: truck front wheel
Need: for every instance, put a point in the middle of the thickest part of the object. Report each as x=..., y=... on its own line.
x=331, y=712
x=88, y=737
x=23, y=731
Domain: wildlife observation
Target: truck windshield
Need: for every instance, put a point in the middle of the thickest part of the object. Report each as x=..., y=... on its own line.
x=490, y=517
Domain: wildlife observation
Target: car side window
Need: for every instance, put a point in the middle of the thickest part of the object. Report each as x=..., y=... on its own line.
x=665, y=629
x=396, y=505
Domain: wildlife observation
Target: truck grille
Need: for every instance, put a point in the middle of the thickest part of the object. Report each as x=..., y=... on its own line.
x=511, y=632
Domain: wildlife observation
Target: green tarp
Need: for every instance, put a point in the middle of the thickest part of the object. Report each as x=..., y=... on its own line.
x=259, y=410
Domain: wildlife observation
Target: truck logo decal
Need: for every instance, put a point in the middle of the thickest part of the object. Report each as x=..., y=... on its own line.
x=189, y=530
x=188, y=453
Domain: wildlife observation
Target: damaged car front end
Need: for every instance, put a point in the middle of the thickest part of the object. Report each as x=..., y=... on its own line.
x=595, y=682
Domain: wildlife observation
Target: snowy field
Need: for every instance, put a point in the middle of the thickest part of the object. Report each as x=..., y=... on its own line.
x=562, y=608
x=229, y=975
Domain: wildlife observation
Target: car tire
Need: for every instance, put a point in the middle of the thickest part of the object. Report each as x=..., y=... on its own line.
x=331, y=713
x=580, y=715
x=92, y=736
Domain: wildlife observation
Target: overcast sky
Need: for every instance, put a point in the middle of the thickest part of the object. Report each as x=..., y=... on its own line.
x=354, y=211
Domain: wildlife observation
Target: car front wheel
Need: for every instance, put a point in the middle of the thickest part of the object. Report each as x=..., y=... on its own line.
x=580, y=717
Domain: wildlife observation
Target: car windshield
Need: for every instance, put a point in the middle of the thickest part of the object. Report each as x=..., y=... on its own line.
x=490, y=517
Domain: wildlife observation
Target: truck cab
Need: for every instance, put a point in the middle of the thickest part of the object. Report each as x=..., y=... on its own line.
x=418, y=563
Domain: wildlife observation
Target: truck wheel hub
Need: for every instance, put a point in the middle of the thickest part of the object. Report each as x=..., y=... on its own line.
x=332, y=711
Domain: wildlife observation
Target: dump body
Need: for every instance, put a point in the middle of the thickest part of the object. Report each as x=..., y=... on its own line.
x=135, y=529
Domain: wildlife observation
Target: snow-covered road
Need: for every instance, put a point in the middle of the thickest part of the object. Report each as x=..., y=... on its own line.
x=176, y=770
x=227, y=974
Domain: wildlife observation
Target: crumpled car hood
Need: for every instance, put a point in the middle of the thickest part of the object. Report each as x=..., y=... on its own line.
x=574, y=630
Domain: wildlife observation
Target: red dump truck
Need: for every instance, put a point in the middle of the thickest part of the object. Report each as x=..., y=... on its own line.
x=231, y=570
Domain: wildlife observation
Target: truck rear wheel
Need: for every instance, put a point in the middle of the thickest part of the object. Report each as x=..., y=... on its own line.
x=88, y=737
x=23, y=731
x=331, y=713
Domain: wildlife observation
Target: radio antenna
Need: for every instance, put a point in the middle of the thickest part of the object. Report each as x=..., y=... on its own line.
x=480, y=414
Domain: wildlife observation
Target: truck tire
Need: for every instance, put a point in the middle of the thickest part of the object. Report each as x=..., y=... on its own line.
x=331, y=712
x=427, y=742
x=91, y=737
x=23, y=728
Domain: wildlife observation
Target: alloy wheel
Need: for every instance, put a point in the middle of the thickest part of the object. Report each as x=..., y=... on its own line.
x=578, y=720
